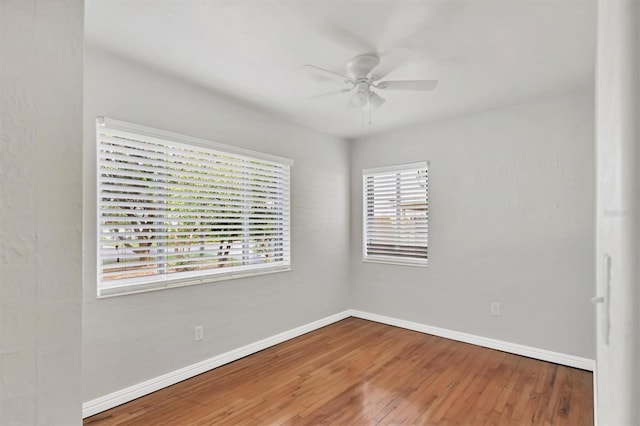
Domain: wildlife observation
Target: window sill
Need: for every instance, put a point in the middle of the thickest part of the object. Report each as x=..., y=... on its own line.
x=392, y=261
x=153, y=286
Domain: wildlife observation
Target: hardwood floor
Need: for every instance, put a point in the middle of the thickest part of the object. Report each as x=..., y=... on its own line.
x=358, y=372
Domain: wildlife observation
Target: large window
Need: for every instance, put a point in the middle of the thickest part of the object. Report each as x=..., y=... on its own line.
x=395, y=214
x=173, y=211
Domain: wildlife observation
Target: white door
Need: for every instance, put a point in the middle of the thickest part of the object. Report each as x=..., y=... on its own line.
x=618, y=213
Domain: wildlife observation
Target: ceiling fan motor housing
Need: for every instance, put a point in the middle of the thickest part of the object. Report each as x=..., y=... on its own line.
x=360, y=66
x=358, y=69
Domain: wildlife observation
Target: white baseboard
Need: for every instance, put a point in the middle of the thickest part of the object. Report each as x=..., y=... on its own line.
x=514, y=348
x=114, y=399
x=130, y=393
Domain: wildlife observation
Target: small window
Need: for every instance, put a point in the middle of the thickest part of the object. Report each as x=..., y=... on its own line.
x=174, y=211
x=395, y=214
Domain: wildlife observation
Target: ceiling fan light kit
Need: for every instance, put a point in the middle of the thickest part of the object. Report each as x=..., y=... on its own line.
x=359, y=99
x=376, y=101
x=361, y=80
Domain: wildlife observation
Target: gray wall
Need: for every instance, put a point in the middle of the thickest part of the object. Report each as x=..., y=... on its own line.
x=129, y=339
x=511, y=219
x=40, y=211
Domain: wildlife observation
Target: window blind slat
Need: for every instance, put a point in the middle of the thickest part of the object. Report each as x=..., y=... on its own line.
x=120, y=228
x=160, y=170
x=156, y=204
x=129, y=141
x=136, y=169
x=157, y=266
x=125, y=187
x=113, y=260
x=173, y=161
x=116, y=181
x=171, y=201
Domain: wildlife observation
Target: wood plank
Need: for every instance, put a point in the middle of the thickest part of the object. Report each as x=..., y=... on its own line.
x=359, y=372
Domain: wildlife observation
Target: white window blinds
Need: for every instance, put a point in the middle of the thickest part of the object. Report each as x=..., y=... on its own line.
x=171, y=212
x=395, y=214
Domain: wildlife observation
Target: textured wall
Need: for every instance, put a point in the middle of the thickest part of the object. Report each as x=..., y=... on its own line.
x=129, y=339
x=41, y=212
x=511, y=220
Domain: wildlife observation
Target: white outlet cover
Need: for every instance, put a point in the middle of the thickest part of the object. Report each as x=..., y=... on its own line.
x=495, y=309
x=198, y=333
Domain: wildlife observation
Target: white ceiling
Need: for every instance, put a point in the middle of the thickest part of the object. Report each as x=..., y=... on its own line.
x=485, y=53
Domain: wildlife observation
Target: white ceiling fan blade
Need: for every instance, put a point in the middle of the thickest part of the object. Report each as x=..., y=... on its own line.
x=391, y=60
x=328, y=94
x=407, y=85
x=331, y=73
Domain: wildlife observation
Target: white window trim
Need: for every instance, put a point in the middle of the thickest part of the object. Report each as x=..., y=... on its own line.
x=389, y=260
x=163, y=136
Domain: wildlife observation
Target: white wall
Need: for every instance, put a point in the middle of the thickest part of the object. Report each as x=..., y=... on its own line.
x=618, y=211
x=40, y=211
x=129, y=339
x=511, y=219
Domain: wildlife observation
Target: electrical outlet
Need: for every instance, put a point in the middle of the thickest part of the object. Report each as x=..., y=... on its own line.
x=198, y=333
x=495, y=309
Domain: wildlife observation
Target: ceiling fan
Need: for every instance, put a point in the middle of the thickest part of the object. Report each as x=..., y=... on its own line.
x=364, y=76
